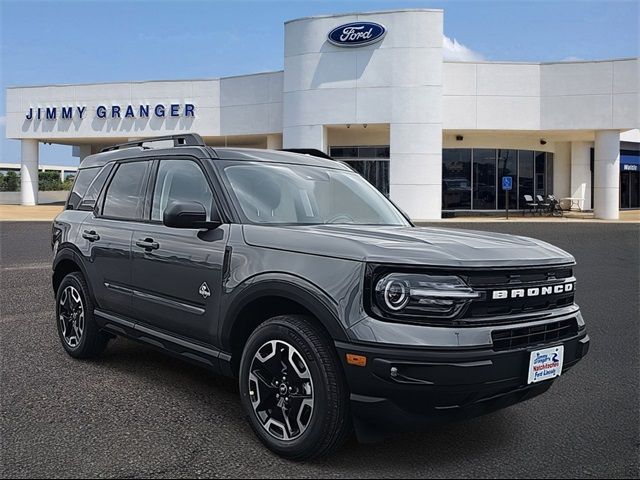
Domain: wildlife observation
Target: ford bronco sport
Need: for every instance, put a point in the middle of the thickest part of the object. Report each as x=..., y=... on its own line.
x=295, y=275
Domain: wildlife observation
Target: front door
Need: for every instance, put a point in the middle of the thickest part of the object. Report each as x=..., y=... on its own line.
x=177, y=273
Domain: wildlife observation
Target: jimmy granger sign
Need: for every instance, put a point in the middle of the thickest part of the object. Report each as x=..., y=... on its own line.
x=113, y=111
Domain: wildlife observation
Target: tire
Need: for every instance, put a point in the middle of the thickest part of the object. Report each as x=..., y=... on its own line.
x=316, y=426
x=80, y=336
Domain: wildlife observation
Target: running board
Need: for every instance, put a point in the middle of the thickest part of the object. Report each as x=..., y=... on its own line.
x=193, y=352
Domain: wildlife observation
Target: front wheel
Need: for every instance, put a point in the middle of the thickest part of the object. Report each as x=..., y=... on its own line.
x=293, y=390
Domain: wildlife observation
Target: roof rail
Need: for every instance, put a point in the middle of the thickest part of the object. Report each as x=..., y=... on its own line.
x=308, y=151
x=186, y=139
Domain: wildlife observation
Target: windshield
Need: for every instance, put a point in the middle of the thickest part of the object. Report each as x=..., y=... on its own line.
x=299, y=194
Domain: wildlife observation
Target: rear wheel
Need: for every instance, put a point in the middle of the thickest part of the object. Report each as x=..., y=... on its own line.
x=293, y=389
x=78, y=332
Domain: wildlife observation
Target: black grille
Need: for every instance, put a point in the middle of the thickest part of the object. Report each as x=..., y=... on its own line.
x=535, y=335
x=488, y=307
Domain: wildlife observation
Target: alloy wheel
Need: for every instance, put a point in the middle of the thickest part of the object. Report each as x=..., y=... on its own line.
x=71, y=316
x=281, y=390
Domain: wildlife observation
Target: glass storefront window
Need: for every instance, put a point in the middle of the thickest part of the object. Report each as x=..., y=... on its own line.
x=484, y=179
x=508, y=167
x=456, y=179
x=525, y=175
x=539, y=173
x=375, y=172
x=549, y=174
x=372, y=162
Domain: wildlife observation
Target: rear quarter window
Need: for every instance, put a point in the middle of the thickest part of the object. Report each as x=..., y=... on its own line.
x=80, y=186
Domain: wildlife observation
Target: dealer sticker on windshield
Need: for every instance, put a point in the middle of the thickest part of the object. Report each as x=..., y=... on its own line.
x=546, y=364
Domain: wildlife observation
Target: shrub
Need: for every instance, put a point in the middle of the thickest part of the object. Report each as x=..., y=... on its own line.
x=48, y=181
x=10, y=182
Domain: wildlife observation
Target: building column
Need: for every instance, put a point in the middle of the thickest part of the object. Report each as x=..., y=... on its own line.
x=84, y=151
x=306, y=136
x=606, y=175
x=415, y=182
x=274, y=141
x=581, y=172
x=562, y=170
x=29, y=172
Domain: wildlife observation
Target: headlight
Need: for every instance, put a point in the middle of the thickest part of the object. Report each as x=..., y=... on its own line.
x=434, y=296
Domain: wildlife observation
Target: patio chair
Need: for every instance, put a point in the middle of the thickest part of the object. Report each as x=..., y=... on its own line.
x=542, y=205
x=529, y=205
x=555, y=207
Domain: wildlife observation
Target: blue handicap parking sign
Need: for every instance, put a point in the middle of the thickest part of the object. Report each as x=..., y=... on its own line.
x=507, y=183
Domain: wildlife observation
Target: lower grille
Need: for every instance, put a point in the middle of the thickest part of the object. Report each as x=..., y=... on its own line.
x=535, y=335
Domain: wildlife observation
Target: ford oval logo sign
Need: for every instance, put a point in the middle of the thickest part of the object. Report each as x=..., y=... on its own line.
x=357, y=34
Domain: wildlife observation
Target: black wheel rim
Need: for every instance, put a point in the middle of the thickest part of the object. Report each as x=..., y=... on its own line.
x=71, y=316
x=281, y=390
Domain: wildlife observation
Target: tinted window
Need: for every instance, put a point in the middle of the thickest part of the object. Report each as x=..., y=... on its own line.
x=508, y=167
x=89, y=200
x=484, y=179
x=180, y=181
x=540, y=180
x=125, y=194
x=525, y=179
x=456, y=178
x=82, y=182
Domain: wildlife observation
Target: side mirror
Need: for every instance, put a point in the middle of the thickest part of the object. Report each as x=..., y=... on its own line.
x=189, y=215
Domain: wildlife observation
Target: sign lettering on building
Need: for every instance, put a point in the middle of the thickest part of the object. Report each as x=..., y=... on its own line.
x=69, y=112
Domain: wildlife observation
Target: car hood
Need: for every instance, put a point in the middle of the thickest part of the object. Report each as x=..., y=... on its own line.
x=408, y=245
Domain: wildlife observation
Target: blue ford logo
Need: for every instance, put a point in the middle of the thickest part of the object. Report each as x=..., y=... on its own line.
x=357, y=34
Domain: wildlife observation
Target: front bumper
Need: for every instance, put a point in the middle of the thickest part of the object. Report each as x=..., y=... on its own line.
x=408, y=389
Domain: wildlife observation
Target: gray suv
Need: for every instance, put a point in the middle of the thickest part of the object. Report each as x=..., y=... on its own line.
x=295, y=275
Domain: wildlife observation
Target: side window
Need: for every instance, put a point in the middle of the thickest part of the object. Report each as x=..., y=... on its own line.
x=82, y=182
x=91, y=197
x=125, y=194
x=180, y=180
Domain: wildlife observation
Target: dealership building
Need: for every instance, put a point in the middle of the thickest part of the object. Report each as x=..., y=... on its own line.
x=374, y=90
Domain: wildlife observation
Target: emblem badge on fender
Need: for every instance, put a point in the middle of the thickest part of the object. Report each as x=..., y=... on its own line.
x=204, y=290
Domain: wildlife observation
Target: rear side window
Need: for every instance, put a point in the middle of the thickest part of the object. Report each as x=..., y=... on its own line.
x=91, y=197
x=125, y=194
x=83, y=180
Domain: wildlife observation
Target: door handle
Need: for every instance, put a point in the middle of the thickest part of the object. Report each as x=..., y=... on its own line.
x=148, y=244
x=90, y=235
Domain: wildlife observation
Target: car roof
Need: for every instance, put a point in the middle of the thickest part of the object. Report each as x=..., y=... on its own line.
x=214, y=153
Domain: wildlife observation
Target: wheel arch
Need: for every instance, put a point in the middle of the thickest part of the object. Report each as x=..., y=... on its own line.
x=269, y=297
x=67, y=261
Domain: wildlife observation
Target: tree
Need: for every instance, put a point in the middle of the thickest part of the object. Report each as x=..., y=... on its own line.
x=11, y=182
x=48, y=181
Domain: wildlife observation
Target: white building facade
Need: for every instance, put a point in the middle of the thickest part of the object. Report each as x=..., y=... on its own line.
x=434, y=135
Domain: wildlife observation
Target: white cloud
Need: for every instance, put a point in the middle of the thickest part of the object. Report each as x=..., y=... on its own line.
x=572, y=59
x=456, y=51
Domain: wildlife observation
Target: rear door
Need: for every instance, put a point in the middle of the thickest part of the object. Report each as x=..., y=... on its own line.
x=177, y=273
x=105, y=237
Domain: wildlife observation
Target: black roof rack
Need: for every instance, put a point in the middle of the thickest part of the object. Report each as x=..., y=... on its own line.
x=186, y=139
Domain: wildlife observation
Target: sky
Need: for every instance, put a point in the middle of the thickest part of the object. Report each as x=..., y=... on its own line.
x=52, y=42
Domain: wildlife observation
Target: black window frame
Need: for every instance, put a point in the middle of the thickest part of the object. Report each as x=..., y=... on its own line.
x=99, y=209
x=154, y=178
x=89, y=208
x=72, y=192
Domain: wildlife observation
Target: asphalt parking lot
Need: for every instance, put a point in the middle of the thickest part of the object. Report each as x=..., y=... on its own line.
x=138, y=413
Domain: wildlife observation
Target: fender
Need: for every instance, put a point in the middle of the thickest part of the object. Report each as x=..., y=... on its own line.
x=68, y=251
x=283, y=285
